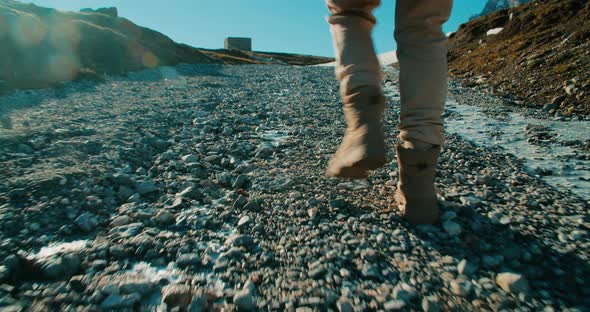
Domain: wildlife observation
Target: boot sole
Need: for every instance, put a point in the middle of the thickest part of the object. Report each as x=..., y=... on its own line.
x=359, y=169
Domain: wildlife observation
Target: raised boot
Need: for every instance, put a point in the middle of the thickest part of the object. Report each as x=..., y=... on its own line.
x=416, y=195
x=363, y=145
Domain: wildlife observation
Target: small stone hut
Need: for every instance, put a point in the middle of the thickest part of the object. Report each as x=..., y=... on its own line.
x=237, y=43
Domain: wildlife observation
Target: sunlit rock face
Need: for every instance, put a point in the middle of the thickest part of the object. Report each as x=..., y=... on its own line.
x=43, y=46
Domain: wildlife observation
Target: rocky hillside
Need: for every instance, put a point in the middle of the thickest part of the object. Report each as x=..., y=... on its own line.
x=42, y=46
x=540, y=54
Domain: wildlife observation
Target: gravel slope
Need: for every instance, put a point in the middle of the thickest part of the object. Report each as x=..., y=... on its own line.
x=205, y=184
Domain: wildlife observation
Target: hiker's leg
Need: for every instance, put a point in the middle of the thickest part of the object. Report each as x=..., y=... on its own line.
x=422, y=54
x=351, y=23
x=357, y=69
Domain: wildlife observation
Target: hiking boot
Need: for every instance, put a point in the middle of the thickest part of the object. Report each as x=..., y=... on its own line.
x=363, y=145
x=416, y=195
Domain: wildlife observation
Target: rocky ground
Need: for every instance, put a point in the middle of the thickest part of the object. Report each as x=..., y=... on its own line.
x=202, y=187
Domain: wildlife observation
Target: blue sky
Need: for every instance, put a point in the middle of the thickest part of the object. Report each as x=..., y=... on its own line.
x=295, y=26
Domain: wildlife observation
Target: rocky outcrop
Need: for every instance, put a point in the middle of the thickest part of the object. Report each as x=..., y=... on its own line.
x=538, y=54
x=112, y=11
x=495, y=5
x=42, y=47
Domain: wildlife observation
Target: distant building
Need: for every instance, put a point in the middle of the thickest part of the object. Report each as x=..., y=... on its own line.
x=235, y=43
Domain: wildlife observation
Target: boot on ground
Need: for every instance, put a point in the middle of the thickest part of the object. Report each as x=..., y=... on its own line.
x=416, y=194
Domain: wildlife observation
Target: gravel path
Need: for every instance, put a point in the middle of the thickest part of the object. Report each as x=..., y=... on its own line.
x=202, y=187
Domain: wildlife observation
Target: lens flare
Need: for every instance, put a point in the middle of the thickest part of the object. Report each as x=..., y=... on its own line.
x=64, y=36
x=149, y=59
x=63, y=66
x=28, y=30
x=3, y=25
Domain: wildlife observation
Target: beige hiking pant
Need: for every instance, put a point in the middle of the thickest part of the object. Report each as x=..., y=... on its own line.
x=422, y=55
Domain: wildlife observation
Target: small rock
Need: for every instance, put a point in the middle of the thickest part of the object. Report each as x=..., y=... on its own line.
x=224, y=179
x=452, y=228
x=577, y=234
x=176, y=203
x=449, y=215
x=122, y=179
x=240, y=202
x=232, y=253
x=60, y=267
x=146, y=187
x=466, y=267
x=337, y=203
x=120, y=220
x=125, y=192
x=556, y=101
x=570, y=88
x=492, y=261
x=312, y=213
x=239, y=240
x=264, y=152
x=142, y=287
x=461, y=288
x=135, y=198
x=252, y=206
x=187, y=260
x=24, y=149
x=317, y=272
x=200, y=302
x=394, y=305
x=118, y=252
x=165, y=217
x=77, y=283
x=127, y=230
x=504, y=220
x=369, y=254
x=500, y=301
x=177, y=296
x=371, y=271
x=430, y=306
x=470, y=200
x=244, y=300
x=187, y=159
x=240, y=182
x=244, y=221
x=116, y=301
x=190, y=192
x=17, y=194
x=4, y=273
x=404, y=292
x=343, y=305
x=513, y=283
x=86, y=222
x=221, y=264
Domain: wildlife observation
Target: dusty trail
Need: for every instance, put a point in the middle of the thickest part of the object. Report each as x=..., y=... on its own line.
x=211, y=178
